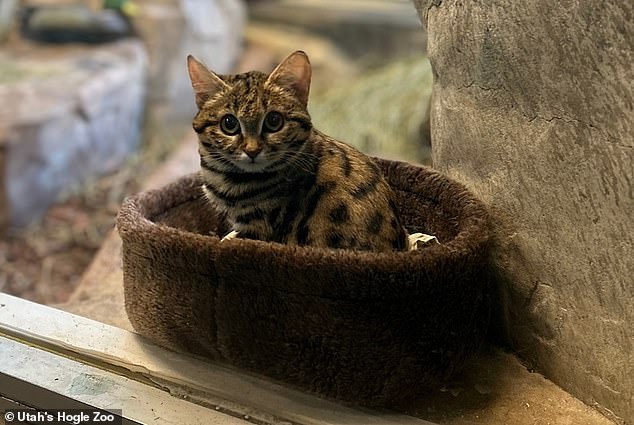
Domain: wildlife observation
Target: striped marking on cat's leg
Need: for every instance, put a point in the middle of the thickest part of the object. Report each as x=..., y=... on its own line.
x=419, y=240
x=346, y=164
x=312, y=202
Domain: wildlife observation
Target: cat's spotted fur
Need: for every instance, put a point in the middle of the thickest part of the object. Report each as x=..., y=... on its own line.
x=275, y=176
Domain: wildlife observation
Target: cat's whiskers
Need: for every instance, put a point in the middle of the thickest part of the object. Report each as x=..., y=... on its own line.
x=305, y=157
x=220, y=158
x=295, y=160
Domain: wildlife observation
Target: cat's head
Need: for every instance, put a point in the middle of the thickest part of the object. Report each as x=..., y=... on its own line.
x=252, y=121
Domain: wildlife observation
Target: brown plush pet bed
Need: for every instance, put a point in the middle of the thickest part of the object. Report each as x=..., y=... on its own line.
x=366, y=327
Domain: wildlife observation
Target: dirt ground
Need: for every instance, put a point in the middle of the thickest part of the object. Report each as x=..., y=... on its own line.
x=45, y=261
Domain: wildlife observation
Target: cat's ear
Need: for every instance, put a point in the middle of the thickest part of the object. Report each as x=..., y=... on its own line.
x=204, y=82
x=294, y=72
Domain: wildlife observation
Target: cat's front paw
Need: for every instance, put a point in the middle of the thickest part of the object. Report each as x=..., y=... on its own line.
x=231, y=235
x=419, y=240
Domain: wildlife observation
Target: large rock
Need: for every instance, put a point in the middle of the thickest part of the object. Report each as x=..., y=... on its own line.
x=533, y=110
x=67, y=114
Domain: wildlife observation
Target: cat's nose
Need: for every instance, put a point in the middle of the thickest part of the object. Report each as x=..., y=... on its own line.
x=252, y=151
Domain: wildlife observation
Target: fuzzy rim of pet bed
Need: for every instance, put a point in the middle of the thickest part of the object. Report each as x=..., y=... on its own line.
x=358, y=326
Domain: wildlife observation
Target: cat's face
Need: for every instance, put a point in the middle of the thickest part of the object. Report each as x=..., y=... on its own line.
x=253, y=121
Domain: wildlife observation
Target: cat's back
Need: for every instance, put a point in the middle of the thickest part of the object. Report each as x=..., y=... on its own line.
x=351, y=204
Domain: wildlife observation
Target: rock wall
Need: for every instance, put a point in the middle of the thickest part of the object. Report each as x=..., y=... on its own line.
x=533, y=109
x=70, y=113
x=66, y=115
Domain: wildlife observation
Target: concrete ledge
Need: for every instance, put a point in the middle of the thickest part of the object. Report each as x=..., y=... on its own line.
x=150, y=384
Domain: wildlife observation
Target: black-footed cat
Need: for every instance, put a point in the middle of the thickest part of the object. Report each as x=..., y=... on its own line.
x=275, y=176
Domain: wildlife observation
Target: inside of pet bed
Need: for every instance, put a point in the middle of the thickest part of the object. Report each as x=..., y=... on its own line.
x=419, y=213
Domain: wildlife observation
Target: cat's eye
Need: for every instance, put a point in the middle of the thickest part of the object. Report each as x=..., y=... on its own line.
x=230, y=125
x=273, y=122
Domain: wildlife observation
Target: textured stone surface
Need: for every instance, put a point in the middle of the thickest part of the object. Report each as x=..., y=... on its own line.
x=533, y=110
x=67, y=114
